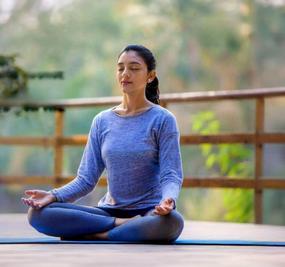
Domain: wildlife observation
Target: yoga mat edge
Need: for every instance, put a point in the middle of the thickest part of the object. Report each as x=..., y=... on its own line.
x=209, y=242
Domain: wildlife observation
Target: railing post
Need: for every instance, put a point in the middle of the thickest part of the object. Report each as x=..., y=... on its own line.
x=259, y=129
x=58, y=149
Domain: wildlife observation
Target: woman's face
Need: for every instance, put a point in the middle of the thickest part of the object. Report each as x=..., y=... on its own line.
x=132, y=73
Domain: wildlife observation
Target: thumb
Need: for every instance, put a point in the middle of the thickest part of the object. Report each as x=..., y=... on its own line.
x=30, y=192
x=170, y=201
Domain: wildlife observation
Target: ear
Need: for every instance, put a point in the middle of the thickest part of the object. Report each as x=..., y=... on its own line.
x=151, y=76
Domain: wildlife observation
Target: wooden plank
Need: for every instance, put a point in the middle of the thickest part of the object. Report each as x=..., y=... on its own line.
x=169, y=98
x=223, y=95
x=225, y=182
x=188, y=182
x=75, y=140
x=246, y=138
x=80, y=140
x=258, y=170
x=26, y=140
x=26, y=180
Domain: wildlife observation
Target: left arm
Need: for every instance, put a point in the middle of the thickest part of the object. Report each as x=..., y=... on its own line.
x=171, y=174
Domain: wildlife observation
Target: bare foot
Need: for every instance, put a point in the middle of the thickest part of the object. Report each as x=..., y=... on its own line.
x=120, y=221
x=104, y=235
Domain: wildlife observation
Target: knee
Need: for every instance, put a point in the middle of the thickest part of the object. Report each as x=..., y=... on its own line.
x=36, y=217
x=166, y=228
x=33, y=216
x=175, y=225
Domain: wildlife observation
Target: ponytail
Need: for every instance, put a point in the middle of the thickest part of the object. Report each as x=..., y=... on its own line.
x=152, y=91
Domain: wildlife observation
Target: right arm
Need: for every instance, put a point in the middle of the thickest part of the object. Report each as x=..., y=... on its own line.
x=89, y=171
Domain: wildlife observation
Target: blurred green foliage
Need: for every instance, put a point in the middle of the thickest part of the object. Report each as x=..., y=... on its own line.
x=13, y=79
x=229, y=160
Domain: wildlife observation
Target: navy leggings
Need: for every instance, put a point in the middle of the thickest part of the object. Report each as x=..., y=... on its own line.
x=69, y=221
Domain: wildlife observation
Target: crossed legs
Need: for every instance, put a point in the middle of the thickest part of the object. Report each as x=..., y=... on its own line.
x=74, y=221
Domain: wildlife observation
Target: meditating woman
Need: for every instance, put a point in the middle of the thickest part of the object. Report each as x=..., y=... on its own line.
x=138, y=144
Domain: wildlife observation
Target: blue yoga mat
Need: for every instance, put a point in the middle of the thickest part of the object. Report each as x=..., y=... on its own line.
x=51, y=240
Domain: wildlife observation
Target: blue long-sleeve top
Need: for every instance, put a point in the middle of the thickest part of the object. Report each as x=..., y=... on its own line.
x=141, y=155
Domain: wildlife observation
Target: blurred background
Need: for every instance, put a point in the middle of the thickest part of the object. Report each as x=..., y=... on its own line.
x=200, y=45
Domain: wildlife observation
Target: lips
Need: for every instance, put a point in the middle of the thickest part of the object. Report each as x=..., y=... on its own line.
x=125, y=82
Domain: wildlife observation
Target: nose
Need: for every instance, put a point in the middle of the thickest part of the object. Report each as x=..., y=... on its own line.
x=125, y=73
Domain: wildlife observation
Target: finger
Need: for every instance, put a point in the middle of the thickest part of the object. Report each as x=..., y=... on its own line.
x=30, y=192
x=164, y=210
x=38, y=205
x=161, y=209
x=169, y=201
x=24, y=201
x=32, y=203
x=160, y=212
x=166, y=202
x=168, y=207
x=157, y=210
x=27, y=203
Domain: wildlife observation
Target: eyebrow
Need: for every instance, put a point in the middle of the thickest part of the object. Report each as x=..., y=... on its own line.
x=133, y=62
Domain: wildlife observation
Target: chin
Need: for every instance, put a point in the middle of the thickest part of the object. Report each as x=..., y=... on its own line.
x=127, y=90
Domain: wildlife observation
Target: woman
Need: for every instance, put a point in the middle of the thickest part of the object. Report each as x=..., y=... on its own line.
x=138, y=144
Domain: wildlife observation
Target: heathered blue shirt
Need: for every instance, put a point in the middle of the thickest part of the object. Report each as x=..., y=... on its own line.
x=141, y=155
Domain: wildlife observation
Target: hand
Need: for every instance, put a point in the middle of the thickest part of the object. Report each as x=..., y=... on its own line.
x=38, y=198
x=165, y=207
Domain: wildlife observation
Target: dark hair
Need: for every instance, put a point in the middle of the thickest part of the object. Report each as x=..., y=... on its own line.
x=151, y=90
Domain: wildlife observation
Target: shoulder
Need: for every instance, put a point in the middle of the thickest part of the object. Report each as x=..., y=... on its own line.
x=100, y=117
x=166, y=120
x=104, y=114
x=165, y=116
x=164, y=113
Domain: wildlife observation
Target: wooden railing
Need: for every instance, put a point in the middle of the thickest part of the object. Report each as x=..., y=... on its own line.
x=258, y=138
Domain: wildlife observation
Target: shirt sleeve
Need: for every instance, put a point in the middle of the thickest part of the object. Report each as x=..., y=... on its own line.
x=171, y=174
x=89, y=171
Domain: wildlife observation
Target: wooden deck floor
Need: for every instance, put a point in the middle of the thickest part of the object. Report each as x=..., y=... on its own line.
x=16, y=225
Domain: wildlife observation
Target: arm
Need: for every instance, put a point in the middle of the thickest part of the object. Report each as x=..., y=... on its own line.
x=89, y=171
x=171, y=174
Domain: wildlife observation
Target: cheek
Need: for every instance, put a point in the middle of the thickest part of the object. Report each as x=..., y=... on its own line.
x=142, y=77
x=118, y=76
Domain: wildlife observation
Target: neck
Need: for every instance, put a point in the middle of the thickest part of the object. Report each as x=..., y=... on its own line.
x=132, y=103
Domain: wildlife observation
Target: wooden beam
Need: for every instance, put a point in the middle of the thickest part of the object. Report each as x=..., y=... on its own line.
x=225, y=182
x=258, y=170
x=80, y=140
x=26, y=180
x=58, y=149
x=246, y=138
x=169, y=98
x=75, y=140
x=188, y=182
x=26, y=140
